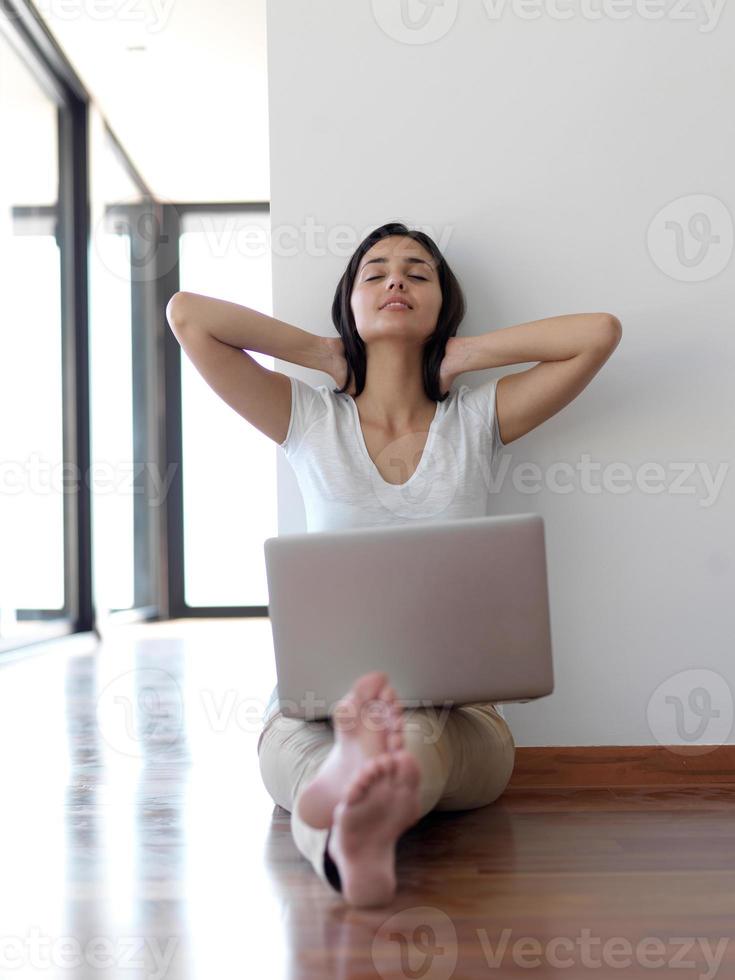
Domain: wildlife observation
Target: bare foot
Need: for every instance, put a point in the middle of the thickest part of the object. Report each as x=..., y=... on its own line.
x=368, y=722
x=380, y=803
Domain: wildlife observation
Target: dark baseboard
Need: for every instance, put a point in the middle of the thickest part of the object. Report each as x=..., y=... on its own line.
x=622, y=765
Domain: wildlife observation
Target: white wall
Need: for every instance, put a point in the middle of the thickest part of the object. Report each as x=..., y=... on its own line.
x=540, y=154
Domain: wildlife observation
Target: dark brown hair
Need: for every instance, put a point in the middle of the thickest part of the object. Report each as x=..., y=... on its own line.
x=450, y=315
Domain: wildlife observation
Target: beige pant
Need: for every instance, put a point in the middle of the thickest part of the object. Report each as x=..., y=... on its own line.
x=466, y=756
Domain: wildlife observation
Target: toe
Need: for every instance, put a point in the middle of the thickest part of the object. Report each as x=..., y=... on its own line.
x=407, y=768
x=344, y=716
x=395, y=741
x=396, y=714
x=357, y=788
x=367, y=687
x=376, y=769
x=371, y=770
x=387, y=694
x=376, y=715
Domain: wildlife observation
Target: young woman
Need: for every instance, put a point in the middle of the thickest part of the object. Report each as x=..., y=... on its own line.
x=394, y=442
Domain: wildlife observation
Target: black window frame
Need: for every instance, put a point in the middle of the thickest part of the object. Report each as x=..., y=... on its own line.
x=173, y=413
x=156, y=359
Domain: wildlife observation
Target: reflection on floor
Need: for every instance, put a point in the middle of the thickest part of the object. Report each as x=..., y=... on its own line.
x=137, y=840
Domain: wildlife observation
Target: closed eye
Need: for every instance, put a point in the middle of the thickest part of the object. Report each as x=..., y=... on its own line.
x=423, y=278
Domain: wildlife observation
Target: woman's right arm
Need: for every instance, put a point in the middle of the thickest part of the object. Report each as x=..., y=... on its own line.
x=216, y=335
x=246, y=329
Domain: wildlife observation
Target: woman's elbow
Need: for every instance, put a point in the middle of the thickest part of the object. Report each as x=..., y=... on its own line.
x=611, y=330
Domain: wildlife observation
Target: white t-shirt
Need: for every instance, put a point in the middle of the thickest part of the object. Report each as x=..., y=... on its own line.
x=342, y=487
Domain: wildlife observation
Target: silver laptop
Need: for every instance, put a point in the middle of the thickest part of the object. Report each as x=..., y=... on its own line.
x=454, y=612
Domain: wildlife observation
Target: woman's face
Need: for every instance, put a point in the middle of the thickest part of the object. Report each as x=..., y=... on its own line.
x=396, y=268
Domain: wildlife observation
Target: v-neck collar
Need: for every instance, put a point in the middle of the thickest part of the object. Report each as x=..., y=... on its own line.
x=363, y=446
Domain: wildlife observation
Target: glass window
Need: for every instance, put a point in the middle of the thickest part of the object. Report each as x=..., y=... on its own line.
x=229, y=466
x=113, y=199
x=31, y=434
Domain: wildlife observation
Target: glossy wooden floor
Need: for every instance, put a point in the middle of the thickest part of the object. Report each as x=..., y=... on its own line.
x=136, y=840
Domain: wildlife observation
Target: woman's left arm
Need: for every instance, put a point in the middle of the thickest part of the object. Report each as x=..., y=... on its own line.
x=571, y=349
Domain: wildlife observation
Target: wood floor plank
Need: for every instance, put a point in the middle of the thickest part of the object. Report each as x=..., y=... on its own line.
x=133, y=816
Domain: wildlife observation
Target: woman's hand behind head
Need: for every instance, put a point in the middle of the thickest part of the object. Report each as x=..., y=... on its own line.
x=336, y=366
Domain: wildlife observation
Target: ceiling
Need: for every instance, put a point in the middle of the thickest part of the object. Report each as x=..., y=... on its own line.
x=182, y=84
